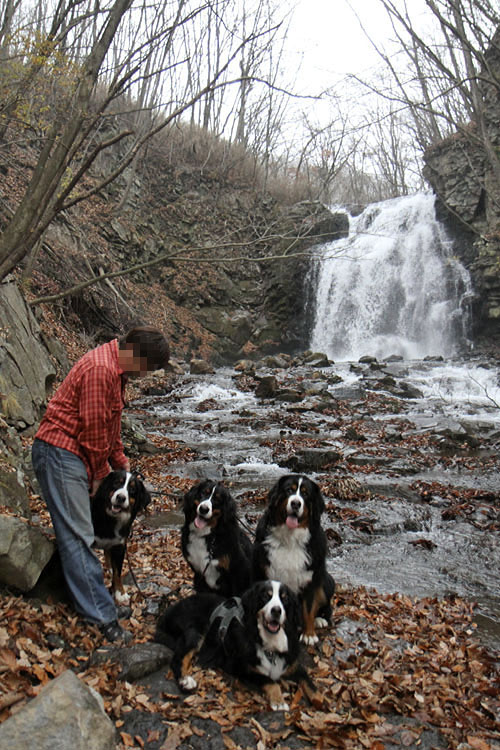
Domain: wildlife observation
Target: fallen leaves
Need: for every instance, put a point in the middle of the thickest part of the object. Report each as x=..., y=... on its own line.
x=400, y=668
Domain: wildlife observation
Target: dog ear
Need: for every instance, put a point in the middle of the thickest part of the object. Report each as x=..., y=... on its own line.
x=318, y=502
x=190, y=496
x=276, y=492
x=104, y=486
x=228, y=506
x=144, y=496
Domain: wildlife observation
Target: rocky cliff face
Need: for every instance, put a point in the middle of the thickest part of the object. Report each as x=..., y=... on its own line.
x=220, y=267
x=466, y=179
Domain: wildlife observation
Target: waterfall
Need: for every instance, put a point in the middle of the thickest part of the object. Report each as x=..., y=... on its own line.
x=392, y=286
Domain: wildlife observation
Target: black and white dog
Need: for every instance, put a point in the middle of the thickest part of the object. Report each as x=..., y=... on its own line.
x=213, y=543
x=254, y=638
x=290, y=546
x=119, y=498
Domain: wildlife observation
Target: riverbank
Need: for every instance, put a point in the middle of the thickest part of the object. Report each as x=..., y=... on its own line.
x=395, y=668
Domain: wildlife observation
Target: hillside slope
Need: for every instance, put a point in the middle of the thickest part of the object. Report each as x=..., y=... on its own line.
x=197, y=238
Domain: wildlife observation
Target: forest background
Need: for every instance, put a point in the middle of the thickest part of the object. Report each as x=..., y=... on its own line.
x=215, y=80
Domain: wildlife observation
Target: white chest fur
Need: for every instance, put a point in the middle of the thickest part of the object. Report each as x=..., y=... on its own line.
x=199, y=557
x=270, y=664
x=288, y=557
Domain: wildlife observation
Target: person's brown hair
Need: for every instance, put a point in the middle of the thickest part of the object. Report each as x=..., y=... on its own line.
x=149, y=343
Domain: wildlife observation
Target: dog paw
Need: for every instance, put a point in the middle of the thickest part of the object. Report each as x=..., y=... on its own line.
x=320, y=622
x=309, y=640
x=280, y=706
x=188, y=683
x=121, y=597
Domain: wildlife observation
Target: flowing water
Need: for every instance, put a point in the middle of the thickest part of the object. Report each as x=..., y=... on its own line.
x=392, y=286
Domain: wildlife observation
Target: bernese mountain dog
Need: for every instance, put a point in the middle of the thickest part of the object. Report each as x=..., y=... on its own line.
x=290, y=546
x=213, y=542
x=114, y=507
x=254, y=637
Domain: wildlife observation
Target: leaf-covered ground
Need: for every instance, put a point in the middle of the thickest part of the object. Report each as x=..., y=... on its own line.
x=394, y=671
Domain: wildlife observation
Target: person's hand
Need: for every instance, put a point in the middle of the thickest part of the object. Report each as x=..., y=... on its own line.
x=95, y=486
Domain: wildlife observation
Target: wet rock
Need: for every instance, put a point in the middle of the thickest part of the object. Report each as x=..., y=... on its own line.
x=392, y=435
x=245, y=365
x=391, y=489
x=318, y=389
x=135, y=440
x=365, y=459
x=313, y=459
x=386, y=383
x=403, y=467
x=407, y=390
x=457, y=434
x=267, y=387
x=396, y=370
x=200, y=367
x=352, y=434
x=349, y=392
x=278, y=361
x=289, y=395
x=317, y=359
x=209, y=404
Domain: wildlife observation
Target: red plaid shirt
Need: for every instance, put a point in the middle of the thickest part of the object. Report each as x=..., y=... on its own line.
x=84, y=414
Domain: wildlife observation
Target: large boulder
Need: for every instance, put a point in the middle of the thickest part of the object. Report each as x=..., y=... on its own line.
x=26, y=369
x=24, y=552
x=65, y=715
x=12, y=490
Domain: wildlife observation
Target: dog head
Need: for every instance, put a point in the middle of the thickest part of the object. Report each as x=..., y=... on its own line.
x=207, y=504
x=295, y=501
x=274, y=608
x=124, y=492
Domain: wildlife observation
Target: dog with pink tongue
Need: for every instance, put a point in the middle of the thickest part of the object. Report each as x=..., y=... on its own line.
x=290, y=546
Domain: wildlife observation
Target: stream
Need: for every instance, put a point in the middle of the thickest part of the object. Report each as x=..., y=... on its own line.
x=417, y=439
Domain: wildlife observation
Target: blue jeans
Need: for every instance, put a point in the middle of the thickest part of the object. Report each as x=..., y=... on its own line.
x=63, y=480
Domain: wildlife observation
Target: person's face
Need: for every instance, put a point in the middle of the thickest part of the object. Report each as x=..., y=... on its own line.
x=132, y=364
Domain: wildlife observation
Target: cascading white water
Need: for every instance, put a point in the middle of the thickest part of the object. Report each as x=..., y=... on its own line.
x=391, y=287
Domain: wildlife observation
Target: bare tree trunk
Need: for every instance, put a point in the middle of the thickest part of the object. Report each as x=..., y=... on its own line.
x=23, y=230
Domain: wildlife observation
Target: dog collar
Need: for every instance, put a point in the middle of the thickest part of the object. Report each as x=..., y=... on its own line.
x=230, y=610
x=272, y=655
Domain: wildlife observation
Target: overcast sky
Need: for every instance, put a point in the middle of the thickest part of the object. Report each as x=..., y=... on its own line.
x=328, y=37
